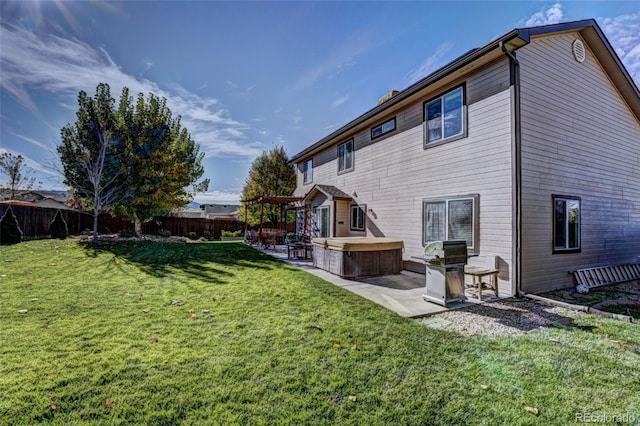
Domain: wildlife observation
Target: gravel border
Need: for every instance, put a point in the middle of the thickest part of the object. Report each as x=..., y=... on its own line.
x=501, y=317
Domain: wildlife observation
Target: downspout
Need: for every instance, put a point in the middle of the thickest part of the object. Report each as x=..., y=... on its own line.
x=515, y=81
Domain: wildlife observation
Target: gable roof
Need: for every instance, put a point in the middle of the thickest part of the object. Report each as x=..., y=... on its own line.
x=475, y=58
x=331, y=192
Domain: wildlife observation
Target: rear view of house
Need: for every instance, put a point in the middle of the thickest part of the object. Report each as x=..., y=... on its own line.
x=527, y=148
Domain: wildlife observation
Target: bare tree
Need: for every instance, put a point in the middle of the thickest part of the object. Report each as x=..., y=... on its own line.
x=13, y=166
x=87, y=155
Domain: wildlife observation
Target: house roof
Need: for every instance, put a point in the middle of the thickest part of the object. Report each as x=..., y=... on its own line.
x=273, y=199
x=331, y=192
x=36, y=195
x=475, y=58
x=220, y=209
x=18, y=203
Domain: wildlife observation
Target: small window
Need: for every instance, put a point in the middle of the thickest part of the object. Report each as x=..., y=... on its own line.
x=566, y=224
x=358, y=217
x=383, y=128
x=454, y=218
x=345, y=156
x=444, y=116
x=307, y=171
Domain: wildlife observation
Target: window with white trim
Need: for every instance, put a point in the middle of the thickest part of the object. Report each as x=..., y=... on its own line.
x=345, y=156
x=307, y=171
x=451, y=218
x=566, y=224
x=383, y=128
x=444, y=116
x=358, y=217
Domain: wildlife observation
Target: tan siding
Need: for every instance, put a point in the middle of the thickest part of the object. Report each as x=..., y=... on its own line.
x=393, y=175
x=578, y=138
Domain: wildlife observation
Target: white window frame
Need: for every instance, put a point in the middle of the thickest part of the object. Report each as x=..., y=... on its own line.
x=381, y=129
x=307, y=171
x=342, y=158
x=318, y=212
x=360, y=217
x=566, y=247
x=472, y=247
x=443, y=117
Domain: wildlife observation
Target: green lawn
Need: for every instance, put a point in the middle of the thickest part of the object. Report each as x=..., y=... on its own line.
x=219, y=333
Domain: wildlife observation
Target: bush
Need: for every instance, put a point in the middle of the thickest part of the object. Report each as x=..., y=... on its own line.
x=164, y=233
x=127, y=233
x=10, y=232
x=192, y=235
x=58, y=228
x=237, y=233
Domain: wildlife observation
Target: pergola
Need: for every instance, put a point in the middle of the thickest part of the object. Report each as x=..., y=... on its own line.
x=280, y=200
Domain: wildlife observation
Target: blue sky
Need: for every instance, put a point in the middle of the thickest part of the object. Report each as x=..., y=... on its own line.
x=247, y=76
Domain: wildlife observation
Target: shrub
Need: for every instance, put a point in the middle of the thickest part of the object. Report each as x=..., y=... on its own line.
x=192, y=235
x=127, y=233
x=164, y=233
x=10, y=232
x=237, y=233
x=58, y=228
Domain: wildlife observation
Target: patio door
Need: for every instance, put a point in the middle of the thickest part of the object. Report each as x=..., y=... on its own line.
x=322, y=222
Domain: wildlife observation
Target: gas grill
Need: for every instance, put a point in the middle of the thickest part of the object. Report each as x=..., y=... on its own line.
x=445, y=271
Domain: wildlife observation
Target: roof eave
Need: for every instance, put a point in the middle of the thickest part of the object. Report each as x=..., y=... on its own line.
x=512, y=40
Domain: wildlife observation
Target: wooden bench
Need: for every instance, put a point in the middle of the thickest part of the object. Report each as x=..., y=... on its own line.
x=478, y=274
x=587, y=278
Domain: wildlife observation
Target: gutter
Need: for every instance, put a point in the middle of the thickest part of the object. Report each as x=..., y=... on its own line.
x=517, y=140
x=515, y=36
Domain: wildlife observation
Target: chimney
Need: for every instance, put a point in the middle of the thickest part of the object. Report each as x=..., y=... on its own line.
x=387, y=96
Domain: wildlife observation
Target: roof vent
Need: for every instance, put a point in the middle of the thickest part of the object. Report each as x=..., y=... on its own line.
x=579, y=52
x=388, y=96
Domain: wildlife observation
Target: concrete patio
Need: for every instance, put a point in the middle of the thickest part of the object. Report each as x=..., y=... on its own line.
x=401, y=293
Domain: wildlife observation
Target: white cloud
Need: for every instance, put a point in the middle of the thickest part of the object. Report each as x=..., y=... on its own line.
x=340, y=101
x=65, y=66
x=30, y=140
x=548, y=15
x=214, y=197
x=429, y=65
x=31, y=164
x=623, y=33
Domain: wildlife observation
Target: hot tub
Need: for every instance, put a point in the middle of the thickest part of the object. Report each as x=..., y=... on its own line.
x=351, y=257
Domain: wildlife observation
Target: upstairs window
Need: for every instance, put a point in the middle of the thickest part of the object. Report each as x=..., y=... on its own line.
x=307, y=171
x=383, y=128
x=444, y=116
x=358, y=217
x=566, y=224
x=453, y=218
x=345, y=156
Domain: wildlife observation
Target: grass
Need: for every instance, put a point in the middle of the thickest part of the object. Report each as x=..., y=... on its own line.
x=219, y=333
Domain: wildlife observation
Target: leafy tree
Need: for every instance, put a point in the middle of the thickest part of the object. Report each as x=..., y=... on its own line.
x=13, y=167
x=58, y=228
x=161, y=161
x=270, y=174
x=10, y=232
x=91, y=153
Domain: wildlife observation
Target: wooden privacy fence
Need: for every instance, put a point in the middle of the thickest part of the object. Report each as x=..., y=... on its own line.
x=35, y=222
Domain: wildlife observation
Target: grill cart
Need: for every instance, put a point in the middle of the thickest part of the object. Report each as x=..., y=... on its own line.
x=445, y=271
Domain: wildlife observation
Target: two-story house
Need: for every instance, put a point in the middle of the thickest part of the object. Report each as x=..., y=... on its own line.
x=528, y=148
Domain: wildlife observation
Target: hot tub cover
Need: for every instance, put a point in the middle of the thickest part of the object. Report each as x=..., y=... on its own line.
x=359, y=243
